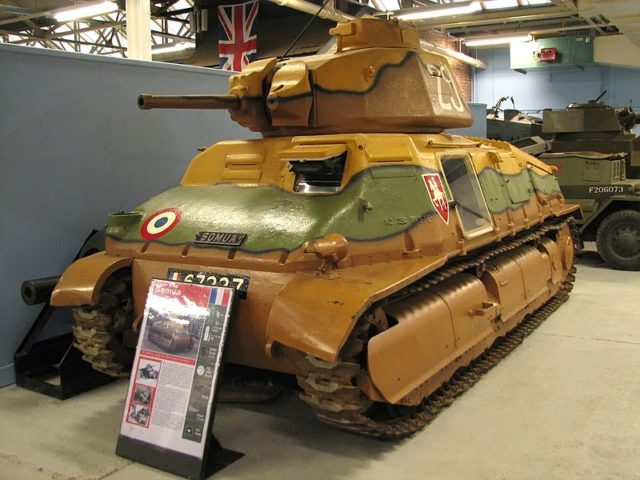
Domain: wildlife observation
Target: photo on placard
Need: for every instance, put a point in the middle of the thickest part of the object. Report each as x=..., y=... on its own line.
x=172, y=333
x=142, y=394
x=139, y=415
x=148, y=371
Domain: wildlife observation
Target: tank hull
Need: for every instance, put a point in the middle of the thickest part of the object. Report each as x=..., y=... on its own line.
x=297, y=305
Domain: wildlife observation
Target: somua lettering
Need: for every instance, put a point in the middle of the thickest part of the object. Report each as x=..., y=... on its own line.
x=221, y=238
x=159, y=290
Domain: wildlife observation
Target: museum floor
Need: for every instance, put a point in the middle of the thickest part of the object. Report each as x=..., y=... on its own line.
x=564, y=405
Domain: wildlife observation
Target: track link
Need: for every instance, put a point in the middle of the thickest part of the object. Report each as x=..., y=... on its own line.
x=331, y=390
x=102, y=331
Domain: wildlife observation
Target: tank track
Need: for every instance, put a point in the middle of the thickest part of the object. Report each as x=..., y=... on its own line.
x=100, y=330
x=331, y=388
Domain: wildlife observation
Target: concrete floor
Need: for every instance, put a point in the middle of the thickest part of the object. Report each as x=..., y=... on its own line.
x=565, y=405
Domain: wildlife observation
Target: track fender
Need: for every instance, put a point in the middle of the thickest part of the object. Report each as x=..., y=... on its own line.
x=82, y=281
x=316, y=313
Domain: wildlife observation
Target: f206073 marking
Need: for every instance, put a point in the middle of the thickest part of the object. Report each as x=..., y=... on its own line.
x=607, y=189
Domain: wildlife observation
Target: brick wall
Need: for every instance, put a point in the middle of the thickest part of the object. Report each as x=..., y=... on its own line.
x=461, y=70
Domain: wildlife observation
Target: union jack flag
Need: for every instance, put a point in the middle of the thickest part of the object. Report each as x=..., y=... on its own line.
x=237, y=40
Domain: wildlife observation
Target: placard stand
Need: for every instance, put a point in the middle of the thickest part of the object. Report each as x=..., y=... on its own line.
x=216, y=458
x=171, y=400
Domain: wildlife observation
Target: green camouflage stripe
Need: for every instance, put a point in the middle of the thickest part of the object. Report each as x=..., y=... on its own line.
x=377, y=203
x=509, y=191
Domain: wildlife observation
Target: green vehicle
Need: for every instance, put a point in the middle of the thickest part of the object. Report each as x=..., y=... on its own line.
x=513, y=125
x=595, y=152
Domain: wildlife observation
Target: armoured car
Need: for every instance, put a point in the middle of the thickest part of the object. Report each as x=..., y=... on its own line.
x=513, y=125
x=595, y=153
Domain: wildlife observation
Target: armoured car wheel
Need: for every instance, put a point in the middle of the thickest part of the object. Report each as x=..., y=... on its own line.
x=618, y=240
x=103, y=332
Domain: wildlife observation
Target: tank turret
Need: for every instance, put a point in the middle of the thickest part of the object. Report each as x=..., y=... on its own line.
x=379, y=79
x=594, y=127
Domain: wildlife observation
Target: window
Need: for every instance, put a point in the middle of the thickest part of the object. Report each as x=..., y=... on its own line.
x=469, y=201
x=322, y=175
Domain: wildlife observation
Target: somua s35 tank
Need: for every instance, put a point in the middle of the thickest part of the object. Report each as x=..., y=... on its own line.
x=379, y=257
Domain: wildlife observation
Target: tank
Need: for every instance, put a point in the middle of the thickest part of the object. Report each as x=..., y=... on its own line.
x=171, y=335
x=381, y=260
x=594, y=127
x=513, y=125
x=598, y=165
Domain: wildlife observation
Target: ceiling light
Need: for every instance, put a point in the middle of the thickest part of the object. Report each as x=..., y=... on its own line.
x=444, y=10
x=498, y=4
x=172, y=47
x=537, y=2
x=497, y=40
x=87, y=10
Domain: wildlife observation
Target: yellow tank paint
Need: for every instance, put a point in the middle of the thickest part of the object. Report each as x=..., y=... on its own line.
x=503, y=152
x=332, y=303
x=265, y=158
x=443, y=328
x=250, y=82
x=81, y=282
x=353, y=35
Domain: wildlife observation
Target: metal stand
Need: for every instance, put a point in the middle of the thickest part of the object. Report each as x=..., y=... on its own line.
x=219, y=457
x=53, y=366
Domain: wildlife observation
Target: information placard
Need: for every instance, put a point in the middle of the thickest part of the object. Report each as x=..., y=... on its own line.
x=169, y=407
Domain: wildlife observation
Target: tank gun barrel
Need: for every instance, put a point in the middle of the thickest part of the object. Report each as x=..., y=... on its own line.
x=38, y=290
x=206, y=102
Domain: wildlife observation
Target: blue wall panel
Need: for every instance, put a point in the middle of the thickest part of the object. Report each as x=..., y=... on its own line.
x=553, y=87
x=479, y=127
x=75, y=147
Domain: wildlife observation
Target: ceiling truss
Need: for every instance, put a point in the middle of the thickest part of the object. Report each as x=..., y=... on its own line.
x=101, y=35
x=105, y=34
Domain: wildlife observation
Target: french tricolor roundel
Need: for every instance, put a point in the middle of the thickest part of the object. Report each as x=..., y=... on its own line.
x=160, y=223
x=438, y=196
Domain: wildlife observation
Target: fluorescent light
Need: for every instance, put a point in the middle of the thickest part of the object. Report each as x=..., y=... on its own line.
x=88, y=10
x=498, y=4
x=173, y=47
x=497, y=40
x=444, y=10
x=537, y=2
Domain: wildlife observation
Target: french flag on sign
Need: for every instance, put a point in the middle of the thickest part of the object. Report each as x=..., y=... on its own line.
x=220, y=296
x=237, y=39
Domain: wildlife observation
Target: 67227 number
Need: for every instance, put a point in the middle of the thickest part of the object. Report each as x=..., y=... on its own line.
x=237, y=282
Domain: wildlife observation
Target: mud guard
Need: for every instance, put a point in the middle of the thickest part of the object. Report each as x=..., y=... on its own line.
x=315, y=314
x=82, y=281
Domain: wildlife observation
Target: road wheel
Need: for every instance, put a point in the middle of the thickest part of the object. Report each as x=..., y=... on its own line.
x=618, y=240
